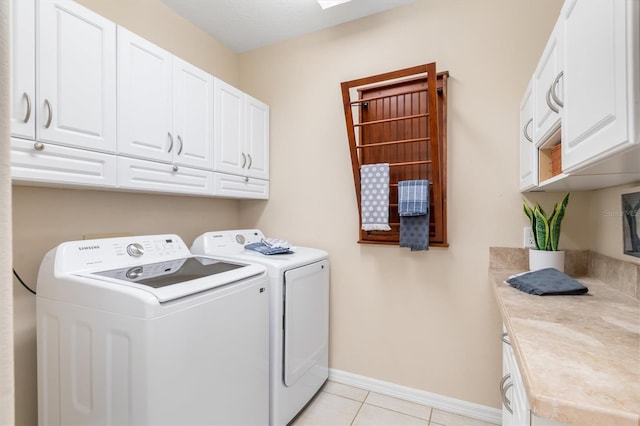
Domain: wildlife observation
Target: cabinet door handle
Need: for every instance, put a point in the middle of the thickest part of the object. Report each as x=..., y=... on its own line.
x=28, y=114
x=505, y=338
x=180, y=140
x=50, y=111
x=554, y=95
x=551, y=106
x=526, y=133
x=250, y=161
x=503, y=392
x=507, y=403
x=171, y=142
x=244, y=160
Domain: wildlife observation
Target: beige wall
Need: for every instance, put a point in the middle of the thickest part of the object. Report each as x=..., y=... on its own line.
x=424, y=320
x=45, y=217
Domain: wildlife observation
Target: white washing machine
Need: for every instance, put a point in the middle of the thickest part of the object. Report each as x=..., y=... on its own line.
x=299, y=316
x=137, y=330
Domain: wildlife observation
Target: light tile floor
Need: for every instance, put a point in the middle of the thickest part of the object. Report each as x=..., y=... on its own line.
x=337, y=404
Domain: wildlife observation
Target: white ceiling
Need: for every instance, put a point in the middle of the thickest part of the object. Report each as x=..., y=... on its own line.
x=243, y=25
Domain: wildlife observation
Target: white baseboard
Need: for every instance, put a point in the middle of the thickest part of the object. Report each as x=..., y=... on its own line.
x=452, y=405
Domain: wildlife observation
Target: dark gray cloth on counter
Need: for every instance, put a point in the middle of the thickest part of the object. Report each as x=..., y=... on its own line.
x=547, y=282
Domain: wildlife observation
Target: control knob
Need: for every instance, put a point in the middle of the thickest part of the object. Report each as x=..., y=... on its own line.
x=134, y=272
x=135, y=249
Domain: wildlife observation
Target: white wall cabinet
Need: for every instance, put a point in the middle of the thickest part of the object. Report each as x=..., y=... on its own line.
x=233, y=186
x=69, y=61
x=241, y=128
x=165, y=105
x=55, y=165
x=601, y=81
x=528, y=151
x=595, y=86
x=547, y=78
x=144, y=175
x=76, y=76
x=72, y=55
x=23, y=69
x=66, y=74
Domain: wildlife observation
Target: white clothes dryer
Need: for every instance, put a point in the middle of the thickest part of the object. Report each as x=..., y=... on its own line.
x=298, y=321
x=137, y=330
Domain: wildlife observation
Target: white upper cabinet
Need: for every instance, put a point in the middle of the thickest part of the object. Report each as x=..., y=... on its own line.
x=165, y=105
x=257, y=144
x=144, y=98
x=23, y=69
x=76, y=76
x=229, y=112
x=193, y=115
x=241, y=129
x=528, y=151
x=71, y=59
x=547, y=78
x=601, y=82
x=590, y=73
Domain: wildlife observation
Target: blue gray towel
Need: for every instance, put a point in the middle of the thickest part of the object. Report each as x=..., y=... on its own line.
x=547, y=281
x=413, y=197
x=374, y=197
x=413, y=208
x=262, y=247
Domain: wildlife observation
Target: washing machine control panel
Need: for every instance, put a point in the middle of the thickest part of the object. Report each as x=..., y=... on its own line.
x=122, y=251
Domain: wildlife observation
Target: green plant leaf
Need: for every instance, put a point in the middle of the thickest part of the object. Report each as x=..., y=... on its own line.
x=527, y=210
x=541, y=226
x=556, y=221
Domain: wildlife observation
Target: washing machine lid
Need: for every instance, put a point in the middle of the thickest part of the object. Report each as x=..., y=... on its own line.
x=175, y=278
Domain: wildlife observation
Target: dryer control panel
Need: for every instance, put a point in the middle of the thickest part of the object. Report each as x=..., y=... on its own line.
x=226, y=242
x=119, y=252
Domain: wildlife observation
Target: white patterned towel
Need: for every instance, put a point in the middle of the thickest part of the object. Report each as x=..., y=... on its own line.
x=374, y=193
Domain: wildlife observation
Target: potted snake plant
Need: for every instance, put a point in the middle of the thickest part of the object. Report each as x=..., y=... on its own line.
x=546, y=235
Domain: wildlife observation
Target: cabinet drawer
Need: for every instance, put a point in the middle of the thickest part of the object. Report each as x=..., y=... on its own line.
x=60, y=166
x=161, y=177
x=233, y=186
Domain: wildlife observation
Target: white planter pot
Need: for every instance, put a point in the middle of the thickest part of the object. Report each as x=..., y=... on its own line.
x=541, y=259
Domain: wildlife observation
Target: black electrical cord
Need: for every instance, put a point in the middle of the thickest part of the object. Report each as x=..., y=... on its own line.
x=22, y=282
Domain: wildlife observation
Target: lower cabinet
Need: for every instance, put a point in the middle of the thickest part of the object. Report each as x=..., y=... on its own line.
x=45, y=164
x=515, y=405
x=233, y=186
x=160, y=177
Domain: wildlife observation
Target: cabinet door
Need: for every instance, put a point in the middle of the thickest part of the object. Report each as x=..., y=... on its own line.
x=229, y=129
x=76, y=76
x=55, y=165
x=166, y=178
x=528, y=151
x=545, y=110
x=234, y=186
x=23, y=69
x=193, y=115
x=257, y=144
x=144, y=99
x=598, y=81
